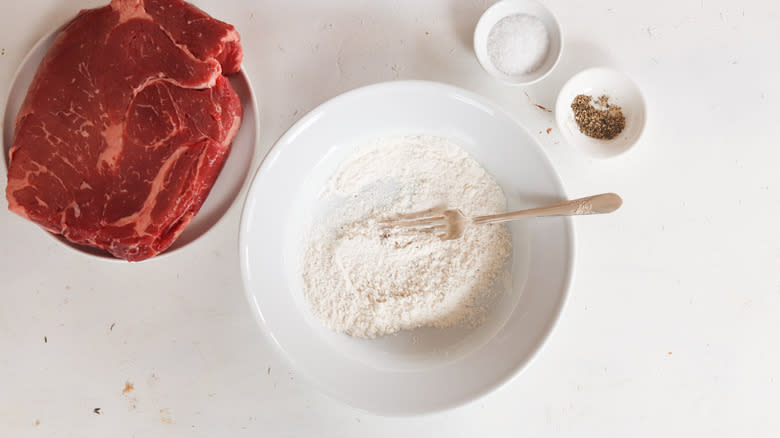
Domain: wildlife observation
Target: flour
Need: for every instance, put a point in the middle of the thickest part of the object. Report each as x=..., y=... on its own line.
x=365, y=280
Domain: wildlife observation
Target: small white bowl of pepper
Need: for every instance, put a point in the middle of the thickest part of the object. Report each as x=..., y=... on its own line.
x=601, y=111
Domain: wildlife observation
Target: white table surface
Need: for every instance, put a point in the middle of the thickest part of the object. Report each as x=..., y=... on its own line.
x=674, y=315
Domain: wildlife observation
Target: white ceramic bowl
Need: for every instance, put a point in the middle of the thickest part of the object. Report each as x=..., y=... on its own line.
x=224, y=193
x=621, y=90
x=506, y=8
x=426, y=369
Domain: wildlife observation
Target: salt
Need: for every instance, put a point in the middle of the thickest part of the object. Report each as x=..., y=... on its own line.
x=518, y=44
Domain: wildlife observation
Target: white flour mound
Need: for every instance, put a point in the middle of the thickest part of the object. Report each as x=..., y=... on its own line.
x=367, y=281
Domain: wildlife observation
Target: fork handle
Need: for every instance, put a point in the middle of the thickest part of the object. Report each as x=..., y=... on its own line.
x=598, y=204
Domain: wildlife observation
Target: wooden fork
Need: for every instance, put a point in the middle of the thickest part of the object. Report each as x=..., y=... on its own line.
x=450, y=224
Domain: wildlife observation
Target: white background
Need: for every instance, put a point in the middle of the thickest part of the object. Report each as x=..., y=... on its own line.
x=674, y=314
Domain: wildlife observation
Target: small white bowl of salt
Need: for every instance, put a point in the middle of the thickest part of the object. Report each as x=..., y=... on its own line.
x=518, y=41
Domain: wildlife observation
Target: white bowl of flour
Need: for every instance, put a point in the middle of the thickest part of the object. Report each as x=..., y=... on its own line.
x=309, y=223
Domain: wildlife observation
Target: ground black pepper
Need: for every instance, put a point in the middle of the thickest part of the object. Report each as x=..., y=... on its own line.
x=600, y=120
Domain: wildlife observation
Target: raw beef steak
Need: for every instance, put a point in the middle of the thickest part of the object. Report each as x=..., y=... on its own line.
x=126, y=126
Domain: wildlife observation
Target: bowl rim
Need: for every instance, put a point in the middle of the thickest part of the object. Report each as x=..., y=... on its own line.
x=268, y=334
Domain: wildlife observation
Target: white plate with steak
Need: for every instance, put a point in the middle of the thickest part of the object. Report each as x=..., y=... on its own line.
x=124, y=120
